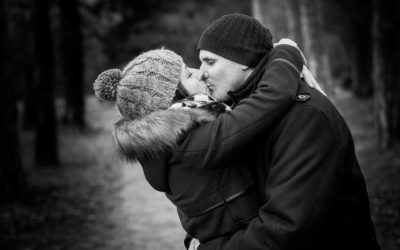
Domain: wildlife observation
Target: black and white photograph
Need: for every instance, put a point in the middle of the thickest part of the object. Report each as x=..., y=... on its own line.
x=200, y=125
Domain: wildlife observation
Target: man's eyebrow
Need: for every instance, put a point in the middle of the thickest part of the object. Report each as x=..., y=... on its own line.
x=206, y=59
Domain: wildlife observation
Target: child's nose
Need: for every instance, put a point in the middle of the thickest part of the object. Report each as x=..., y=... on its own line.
x=197, y=74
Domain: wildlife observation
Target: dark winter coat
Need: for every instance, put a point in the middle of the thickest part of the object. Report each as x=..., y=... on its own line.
x=211, y=202
x=312, y=190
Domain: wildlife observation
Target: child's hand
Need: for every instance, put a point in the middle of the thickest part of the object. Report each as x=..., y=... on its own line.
x=287, y=41
x=310, y=80
x=194, y=244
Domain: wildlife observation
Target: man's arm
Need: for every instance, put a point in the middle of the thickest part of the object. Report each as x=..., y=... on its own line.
x=212, y=143
x=304, y=169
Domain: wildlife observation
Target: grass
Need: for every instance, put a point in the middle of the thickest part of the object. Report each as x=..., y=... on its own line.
x=94, y=201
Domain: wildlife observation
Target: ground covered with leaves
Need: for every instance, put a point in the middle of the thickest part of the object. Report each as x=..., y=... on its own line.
x=95, y=201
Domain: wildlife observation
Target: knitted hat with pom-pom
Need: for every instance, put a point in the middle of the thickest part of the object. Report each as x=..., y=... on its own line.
x=146, y=84
x=237, y=37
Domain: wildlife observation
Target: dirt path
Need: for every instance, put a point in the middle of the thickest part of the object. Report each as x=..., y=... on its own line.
x=92, y=201
x=132, y=214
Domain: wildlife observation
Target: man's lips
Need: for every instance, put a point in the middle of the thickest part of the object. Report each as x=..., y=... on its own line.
x=210, y=90
x=208, y=85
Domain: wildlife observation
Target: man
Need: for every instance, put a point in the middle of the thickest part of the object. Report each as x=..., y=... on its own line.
x=305, y=169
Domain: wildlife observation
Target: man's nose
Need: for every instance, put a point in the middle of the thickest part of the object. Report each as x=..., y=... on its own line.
x=204, y=75
x=203, y=69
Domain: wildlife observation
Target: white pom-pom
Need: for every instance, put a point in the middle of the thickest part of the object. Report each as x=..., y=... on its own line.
x=105, y=86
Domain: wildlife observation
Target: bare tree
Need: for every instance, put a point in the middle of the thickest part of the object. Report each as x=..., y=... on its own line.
x=311, y=26
x=46, y=143
x=303, y=21
x=20, y=30
x=71, y=45
x=359, y=36
x=12, y=178
x=293, y=16
x=386, y=71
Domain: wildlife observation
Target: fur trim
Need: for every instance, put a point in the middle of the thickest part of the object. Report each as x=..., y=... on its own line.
x=157, y=133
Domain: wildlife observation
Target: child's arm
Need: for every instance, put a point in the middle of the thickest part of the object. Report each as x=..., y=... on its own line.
x=207, y=145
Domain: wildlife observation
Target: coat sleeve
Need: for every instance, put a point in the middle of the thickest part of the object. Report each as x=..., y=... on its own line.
x=208, y=145
x=306, y=162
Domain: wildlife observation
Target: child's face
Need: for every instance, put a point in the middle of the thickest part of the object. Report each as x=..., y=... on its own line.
x=191, y=81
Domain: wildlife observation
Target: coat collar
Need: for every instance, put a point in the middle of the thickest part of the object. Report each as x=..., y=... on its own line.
x=157, y=133
x=250, y=85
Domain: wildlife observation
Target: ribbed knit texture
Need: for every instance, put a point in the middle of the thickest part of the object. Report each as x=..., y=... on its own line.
x=146, y=84
x=237, y=37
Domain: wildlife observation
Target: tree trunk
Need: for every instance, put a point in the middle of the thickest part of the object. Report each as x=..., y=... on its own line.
x=295, y=22
x=21, y=45
x=269, y=12
x=256, y=10
x=46, y=145
x=362, y=78
x=386, y=71
x=12, y=178
x=71, y=43
x=30, y=105
x=30, y=101
x=314, y=46
x=357, y=37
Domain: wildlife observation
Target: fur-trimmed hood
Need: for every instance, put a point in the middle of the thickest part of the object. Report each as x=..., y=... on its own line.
x=157, y=133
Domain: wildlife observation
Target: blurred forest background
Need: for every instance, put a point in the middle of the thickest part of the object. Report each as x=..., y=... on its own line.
x=61, y=186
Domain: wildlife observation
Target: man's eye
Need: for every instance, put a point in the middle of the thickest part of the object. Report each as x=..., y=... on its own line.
x=210, y=63
x=189, y=75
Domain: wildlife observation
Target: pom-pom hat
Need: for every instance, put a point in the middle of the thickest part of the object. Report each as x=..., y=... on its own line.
x=146, y=84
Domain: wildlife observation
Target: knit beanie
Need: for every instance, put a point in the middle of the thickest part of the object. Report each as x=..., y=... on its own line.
x=237, y=37
x=146, y=84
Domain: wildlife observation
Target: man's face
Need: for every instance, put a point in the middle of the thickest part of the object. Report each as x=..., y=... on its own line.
x=221, y=74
